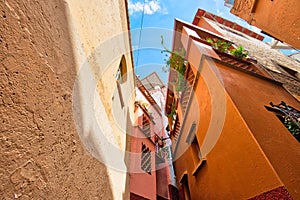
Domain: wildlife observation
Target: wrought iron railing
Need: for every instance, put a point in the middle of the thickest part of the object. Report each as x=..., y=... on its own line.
x=289, y=116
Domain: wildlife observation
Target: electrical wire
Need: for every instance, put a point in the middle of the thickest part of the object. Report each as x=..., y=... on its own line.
x=140, y=36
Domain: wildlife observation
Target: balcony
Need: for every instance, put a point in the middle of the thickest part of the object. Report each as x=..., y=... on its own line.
x=175, y=133
x=189, y=81
x=146, y=127
x=144, y=120
x=241, y=63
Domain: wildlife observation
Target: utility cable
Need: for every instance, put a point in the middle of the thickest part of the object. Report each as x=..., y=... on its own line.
x=140, y=36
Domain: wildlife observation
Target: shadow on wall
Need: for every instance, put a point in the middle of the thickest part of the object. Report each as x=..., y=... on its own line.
x=41, y=154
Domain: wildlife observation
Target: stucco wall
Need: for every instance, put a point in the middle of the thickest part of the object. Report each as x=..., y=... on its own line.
x=280, y=147
x=43, y=47
x=241, y=144
x=141, y=183
x=236, y=167
x=266, y=56
x=281, y=19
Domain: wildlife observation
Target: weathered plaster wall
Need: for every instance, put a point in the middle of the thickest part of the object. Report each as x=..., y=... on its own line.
x=101, y=39
x=43, y=45
x=281, y=19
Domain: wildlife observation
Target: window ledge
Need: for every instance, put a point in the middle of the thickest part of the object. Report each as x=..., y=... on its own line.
x=199, y=166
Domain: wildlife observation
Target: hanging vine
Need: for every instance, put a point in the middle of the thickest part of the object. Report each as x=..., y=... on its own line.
x=177, y=62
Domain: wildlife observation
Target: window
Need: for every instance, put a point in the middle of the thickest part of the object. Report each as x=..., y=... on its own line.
x=185, y=187
x=146, y=126
x=289, y=116
x=146, y=159
x=120, y=94
x=121, y=75
x=195, y=149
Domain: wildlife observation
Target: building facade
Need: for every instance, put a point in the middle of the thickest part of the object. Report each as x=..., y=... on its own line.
x=151, y=169
x=279, y=19
x=228, y=142
x=66, y=72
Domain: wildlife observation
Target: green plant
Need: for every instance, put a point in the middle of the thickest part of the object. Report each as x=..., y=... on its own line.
x=180, y=84
x=291, y=126
x=221, y=45
x=177, y=62
x=239, y=52
x=175, y=59
x=173, y=110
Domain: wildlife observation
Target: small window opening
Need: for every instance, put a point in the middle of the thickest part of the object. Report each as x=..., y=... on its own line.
x=121, y=74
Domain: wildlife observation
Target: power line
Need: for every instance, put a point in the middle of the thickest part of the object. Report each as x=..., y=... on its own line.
x=140, y=36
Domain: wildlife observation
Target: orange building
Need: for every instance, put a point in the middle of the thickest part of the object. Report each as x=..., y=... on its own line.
x=280, y=19
x=228, y=142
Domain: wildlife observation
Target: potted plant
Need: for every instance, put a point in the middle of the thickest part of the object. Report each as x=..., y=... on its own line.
x=219, y=44
x=226, y=47
x=239, y=52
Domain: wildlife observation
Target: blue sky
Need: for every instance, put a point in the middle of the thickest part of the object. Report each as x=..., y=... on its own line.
x=158, y=20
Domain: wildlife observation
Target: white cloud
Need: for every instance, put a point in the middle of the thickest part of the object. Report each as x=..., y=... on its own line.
x=150, y=7
x=220, y=13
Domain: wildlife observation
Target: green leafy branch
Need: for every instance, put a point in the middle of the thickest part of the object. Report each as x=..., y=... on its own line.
x=173, y=110
x=175, y=59
x=221, y=45
x=239, y=52
x=291, y=126
x=224, y=46
x=177, y=62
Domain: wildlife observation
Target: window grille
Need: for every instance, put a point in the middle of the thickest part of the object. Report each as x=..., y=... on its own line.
x=289, y=116
x=146, y=159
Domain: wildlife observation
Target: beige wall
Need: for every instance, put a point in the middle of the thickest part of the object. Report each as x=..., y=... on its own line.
x=45, y=46
x=101, y=38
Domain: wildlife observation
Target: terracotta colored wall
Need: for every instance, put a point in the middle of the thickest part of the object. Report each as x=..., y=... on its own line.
x=141, y=183
x=236, y=167
x=281, y=148
x=240, y=161
x=278, y=18
x=162, y=182
x=204, y=24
